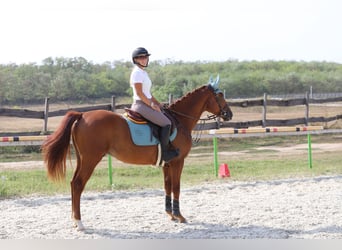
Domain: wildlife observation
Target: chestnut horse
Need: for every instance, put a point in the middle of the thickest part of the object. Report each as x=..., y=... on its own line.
x=97, y=133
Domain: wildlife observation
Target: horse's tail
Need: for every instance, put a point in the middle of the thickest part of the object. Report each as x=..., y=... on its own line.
x=56, y=147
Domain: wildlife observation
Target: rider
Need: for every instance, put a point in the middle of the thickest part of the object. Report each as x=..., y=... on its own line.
x=145, y=104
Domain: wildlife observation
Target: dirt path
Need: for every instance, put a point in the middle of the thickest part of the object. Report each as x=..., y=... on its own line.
x=291, y=208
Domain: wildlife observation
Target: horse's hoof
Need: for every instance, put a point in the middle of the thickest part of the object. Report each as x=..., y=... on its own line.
x=171, y=215
x=180, y=218
x=79, y=225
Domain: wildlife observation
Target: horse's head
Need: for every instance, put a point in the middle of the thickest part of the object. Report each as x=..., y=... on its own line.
x=218, y=105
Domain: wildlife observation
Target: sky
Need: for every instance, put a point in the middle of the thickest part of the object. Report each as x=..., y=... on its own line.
x=186, y=30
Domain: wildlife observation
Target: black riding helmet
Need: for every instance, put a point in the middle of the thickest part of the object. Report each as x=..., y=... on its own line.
x=139, y=52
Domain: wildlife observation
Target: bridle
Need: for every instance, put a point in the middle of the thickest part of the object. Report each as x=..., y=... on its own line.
x=209, y=117
x=223, y=112
x=198, y=133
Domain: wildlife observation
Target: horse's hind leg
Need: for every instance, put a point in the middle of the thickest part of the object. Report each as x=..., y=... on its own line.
x=84, y=169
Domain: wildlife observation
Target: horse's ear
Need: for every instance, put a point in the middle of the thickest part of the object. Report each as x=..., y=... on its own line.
x=214, y=84
x=217, y=81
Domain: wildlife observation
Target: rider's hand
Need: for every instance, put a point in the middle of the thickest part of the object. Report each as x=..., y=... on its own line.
x=155, y=106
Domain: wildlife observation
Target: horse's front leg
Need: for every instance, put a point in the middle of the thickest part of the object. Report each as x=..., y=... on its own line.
x=168, y=191
x=172, y=175
x=175, y=205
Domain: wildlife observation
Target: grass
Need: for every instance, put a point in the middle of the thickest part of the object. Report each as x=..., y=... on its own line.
x=250, y=163
x=295, y=167
x=255, y=165
x=22, y=183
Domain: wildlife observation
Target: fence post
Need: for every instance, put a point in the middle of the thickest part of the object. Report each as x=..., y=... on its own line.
x=110, y=167
x=110, y=170
x=46, y=115
x=309, y=151
x=264, y=111
x=307, y=100
x=215, y=156
x=113, y=103
x=170, y=99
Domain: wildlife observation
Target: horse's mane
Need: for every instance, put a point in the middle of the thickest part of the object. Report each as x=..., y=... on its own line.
x=181, y=100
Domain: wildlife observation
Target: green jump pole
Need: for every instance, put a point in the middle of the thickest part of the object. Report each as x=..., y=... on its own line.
x=110, y=170
x=309, y=151
x=215, y=156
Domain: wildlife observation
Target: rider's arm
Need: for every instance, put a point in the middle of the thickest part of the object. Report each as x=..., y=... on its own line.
x=150, y=102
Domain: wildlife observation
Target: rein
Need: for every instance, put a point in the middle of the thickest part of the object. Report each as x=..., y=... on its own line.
x=209, y=117
x=198, y=133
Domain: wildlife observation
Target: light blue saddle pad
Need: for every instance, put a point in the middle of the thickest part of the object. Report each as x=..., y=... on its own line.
x=142, y=134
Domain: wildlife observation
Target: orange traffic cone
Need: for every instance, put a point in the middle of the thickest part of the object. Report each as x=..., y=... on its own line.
x=224, y=170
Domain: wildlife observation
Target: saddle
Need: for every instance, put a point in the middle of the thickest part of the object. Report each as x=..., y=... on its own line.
x=139, y=119
x=146, y=133
x=135, y=116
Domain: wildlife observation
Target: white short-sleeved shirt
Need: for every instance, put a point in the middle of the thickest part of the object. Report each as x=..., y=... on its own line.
x=139, y=75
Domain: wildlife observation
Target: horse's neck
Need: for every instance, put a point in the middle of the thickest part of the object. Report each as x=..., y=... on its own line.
x=190, y=108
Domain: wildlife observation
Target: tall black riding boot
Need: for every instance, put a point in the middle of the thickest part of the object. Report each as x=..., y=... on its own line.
x=167, y=154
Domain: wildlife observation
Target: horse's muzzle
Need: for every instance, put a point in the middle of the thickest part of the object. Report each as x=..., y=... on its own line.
x=226, y=115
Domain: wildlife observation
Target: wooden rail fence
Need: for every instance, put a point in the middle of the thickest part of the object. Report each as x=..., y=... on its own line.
x=264, y=102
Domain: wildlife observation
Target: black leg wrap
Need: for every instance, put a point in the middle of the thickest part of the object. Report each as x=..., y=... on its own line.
x=168, y=204
x=175, y=209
